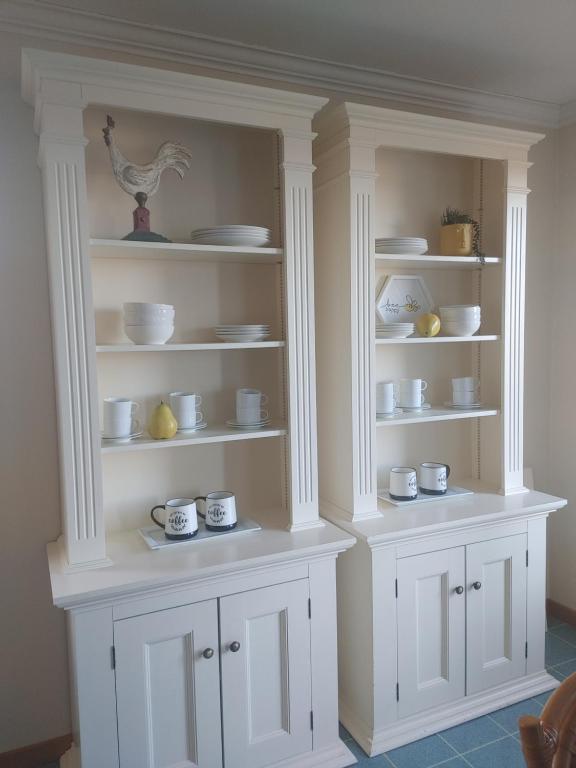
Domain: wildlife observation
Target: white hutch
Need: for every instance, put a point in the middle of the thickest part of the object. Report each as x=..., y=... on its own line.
x=215, y=653
x=441, y=606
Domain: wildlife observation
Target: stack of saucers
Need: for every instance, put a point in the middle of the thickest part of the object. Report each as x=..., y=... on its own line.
x=397, y=245
x=146, y=323
x=460, y=319
x=232, y=234
x=394, y=330
x=242, y=333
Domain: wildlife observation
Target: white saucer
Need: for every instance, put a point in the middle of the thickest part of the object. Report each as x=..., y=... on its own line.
x=122, y=439
x=423, y=407
x=200, y=425
x=257, y=425
x=396, y=412
x=472, y=406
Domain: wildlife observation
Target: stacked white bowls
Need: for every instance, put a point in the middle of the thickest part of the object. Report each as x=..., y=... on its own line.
x=146, y=323
x=460, y=320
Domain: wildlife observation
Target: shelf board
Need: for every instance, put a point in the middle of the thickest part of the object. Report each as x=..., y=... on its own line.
x=128, y=249
x=439, y=339
x=200, y=347
x=436, y=414
x=221, y=434
x=410, y=261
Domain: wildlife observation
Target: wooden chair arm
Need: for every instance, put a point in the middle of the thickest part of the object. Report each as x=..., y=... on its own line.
x=539, y=742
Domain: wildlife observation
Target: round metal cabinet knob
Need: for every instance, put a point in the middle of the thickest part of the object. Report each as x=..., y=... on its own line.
x=459, y=590
x=235, y=646
x=208, y=653
x=477, y=585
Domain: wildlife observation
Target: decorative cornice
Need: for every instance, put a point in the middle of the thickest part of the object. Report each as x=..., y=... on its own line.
x=67, y=24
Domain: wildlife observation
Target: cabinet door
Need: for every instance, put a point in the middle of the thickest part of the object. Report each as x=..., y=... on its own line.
x=266, y=689
x=496, y=624
x=168, y=693
x=431, y=632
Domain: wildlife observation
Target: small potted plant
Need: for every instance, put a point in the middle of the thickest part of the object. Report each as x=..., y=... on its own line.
x=459, y=235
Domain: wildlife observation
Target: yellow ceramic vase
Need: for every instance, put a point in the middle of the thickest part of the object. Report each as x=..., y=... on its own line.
x=456, y=240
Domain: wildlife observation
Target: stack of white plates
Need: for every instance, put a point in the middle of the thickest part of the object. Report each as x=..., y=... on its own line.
x=408, y=245
x=394, y=330
x=245, y=333
x=460, y=319
x=232, y=234
x=146, y=323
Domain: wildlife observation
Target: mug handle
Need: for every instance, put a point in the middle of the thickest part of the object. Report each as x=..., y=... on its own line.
x=160, y=506
x=264, y=400
x=424, y=385
x=134, y=426
x=264, y=414
x=203, y=498
x=135, y=407
x=447, y=470
x=199, y=417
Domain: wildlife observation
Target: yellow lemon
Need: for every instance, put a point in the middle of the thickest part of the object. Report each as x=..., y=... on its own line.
x=428, y=325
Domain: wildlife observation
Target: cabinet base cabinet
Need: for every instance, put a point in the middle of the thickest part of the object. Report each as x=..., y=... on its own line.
x=452, y=622
x=233, y=671
x=406, y=730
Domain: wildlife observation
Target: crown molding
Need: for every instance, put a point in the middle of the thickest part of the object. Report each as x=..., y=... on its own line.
x=567, y=113
x=49, y=20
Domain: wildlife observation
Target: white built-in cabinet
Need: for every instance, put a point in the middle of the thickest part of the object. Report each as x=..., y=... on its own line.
x=209, y=653
x=186, y=699
x=440, y=605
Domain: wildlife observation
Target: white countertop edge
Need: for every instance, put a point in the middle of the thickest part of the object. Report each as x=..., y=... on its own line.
x=106, y=585
x=367, y=528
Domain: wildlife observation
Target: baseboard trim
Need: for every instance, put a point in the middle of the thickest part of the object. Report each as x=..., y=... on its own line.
x=406, y=730
x=560, y=611
x=337, y=756
x=36, y=754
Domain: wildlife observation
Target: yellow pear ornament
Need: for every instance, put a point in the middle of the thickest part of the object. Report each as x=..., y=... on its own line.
x=162, y=424
x=428, y=325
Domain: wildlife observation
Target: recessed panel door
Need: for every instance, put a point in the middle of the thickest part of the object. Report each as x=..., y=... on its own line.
x=431, y=631
x=496, y=598
x=266, y=686
x=168, y=688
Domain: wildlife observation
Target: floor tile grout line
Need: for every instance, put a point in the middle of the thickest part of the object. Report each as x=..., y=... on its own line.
x=505, y=730
x=487, y=744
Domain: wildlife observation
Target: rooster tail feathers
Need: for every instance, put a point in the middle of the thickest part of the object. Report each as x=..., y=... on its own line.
x=173, y=155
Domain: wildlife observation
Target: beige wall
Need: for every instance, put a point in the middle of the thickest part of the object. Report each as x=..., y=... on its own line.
x=33, y=680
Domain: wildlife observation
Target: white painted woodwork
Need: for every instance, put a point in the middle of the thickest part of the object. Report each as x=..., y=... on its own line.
x=168, y=694
x=429, y=261
x=496, y=613
x=266, y=685
x=439, y=339
x=431, y=616
x=61, y=159
x=160, y=610
x=436, y=414
x=101, y=248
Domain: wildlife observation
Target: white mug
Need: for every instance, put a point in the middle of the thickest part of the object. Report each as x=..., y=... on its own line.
x=219, y=510
x=249, y=404
x=433, y=478
x=385, y=399
x=465, y=383
x=403, y=483
x=118, y=417
x=180, y=515
x=184, y=405
x=411, y=392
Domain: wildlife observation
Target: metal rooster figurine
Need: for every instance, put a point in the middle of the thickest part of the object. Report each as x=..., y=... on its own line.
x=141, y=181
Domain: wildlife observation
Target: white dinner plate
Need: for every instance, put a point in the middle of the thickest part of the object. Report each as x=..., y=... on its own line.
x=471, y=407
x=423, y=407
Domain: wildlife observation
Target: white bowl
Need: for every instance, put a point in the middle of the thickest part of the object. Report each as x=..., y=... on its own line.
x=144, y=306
x=149, y=334
x=460, y=329
x=161, y=320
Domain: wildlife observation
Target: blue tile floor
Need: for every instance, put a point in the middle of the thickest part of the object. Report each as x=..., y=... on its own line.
x=491, y=741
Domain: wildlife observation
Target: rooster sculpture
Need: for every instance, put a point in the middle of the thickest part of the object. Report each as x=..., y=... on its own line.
x=141, y=181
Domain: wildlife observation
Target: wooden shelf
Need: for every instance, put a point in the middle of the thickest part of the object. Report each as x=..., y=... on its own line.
x=410, y=261
x=200, y=347
x=221, y=434
x=128, y=249
x=438, y=339
x=436, y=414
